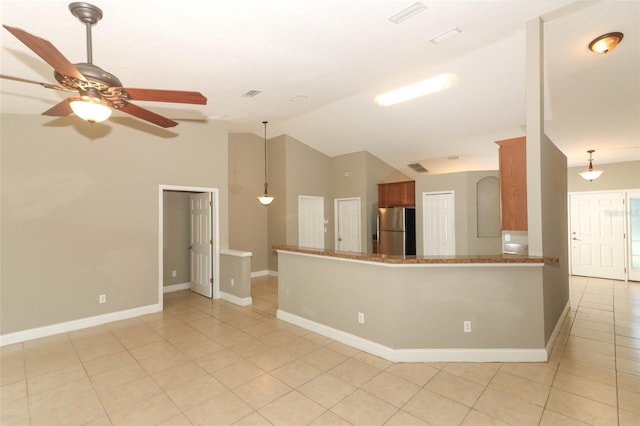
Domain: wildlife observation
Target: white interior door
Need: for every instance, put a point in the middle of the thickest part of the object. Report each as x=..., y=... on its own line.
x=633, y=217
x=438, y=219
x=348, y=224
x=597, y=234
x=311, y=221
x=201, y=244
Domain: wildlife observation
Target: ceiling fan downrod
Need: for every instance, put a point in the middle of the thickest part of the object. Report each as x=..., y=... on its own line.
x=89, y=15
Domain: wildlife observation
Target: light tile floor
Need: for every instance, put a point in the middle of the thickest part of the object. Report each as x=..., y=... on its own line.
x=209, y=362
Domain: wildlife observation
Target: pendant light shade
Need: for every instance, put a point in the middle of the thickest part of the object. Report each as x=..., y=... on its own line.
x=265, y=199
x=591, y=174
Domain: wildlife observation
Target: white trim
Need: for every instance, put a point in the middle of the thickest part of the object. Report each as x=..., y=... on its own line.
x=415, y=265
x=64, y=327
x=242, y=301
x=176, y=287
x=263, y=273
x=418, y=355
x=236, y=253
x=556, y=329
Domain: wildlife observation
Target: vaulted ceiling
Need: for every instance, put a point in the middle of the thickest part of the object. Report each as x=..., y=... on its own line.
x=337, y=55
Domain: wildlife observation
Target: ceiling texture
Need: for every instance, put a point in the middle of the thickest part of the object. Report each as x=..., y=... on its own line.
x=320, y=63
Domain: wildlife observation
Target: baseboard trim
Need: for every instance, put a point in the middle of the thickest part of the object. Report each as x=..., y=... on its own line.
x=556, y=329
x=417, y=355
x=64, y=327
x=176, y=287
x=242, y=301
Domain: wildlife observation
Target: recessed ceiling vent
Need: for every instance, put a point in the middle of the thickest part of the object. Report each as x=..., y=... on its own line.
x=252, y=93
x=418, y=168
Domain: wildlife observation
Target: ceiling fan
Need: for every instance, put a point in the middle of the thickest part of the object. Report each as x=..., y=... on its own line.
x=99, y=91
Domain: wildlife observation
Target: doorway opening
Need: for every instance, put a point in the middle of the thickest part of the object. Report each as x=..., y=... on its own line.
x=203, y=230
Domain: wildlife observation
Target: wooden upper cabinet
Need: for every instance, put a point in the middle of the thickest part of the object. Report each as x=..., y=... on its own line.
x=397, y=194
x=513, y=184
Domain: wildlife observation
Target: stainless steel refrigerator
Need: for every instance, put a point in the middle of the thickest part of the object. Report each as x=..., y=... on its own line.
x=397, y=231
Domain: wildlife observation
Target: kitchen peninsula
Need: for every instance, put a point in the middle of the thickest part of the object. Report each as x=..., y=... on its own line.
x=420, y=308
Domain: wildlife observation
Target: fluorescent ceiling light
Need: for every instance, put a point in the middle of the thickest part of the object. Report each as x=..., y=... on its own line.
x=407, y=13
x=440, y=82
x=446, y=35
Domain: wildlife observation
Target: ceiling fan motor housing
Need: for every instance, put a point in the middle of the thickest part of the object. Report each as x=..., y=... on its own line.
x=97, y=78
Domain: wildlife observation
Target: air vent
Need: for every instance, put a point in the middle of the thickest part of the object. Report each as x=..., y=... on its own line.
x=252, y=93
x=418, y=168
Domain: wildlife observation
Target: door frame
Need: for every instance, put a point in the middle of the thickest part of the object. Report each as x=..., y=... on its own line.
x=336, y=202
x=452, y=193
x=215, y=236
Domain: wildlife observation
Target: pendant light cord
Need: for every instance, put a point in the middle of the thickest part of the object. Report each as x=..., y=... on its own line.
x=265, y=156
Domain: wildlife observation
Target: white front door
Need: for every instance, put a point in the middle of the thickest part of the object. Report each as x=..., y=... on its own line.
x=438, y=219
x=348, y=224
x=311, y=221
x=597, y=234
x=201, y=244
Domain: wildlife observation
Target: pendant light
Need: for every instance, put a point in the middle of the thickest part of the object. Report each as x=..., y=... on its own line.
x=591, y=174
x=265, y=199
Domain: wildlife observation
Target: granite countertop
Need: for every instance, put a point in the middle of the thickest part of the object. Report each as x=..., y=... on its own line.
x=382, y=258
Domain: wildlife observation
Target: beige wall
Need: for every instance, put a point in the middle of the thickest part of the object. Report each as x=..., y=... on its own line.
x=296, y=169
x=464, y=185
x=176, y=230
x=616, y=176
x=248, y=221
x=554, y=232
x=417, y=307
x=79, y=211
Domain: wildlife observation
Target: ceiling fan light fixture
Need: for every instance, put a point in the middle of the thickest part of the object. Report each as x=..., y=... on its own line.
x=421, y=88
x=591, y=174
x=90, y=109
x=606, y=42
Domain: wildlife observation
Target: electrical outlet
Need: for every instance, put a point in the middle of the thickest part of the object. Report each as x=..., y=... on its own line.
x=360, y=317
x=507, y=237
x=467, y=326
x=102, y=298
x=174, y=273
x=233, y=282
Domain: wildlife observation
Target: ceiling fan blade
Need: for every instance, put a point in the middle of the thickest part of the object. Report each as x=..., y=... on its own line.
x=178, y=96
x=24, y=80
x=61, y=109
x=142, y=113
x=47, y=51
